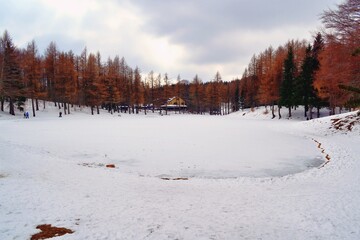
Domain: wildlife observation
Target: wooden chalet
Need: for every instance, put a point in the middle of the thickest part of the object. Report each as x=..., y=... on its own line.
x=175, y=104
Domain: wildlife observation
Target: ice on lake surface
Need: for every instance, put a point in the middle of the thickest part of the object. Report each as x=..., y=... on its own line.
x=176, y=145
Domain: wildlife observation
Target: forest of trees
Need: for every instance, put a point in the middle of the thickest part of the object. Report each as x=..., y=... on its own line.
x=322, y=73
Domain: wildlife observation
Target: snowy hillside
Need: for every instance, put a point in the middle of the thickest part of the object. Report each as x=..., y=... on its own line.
x=241, y=176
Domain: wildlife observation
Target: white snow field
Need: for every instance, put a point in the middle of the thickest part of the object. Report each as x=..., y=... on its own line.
x=248, y=177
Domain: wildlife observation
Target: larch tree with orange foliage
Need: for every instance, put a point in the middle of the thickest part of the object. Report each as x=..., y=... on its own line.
x=138, y=90
x=196, y=95
x=32, y=74
x=12, y=86
x=267, y=78
x=338, y=63
x=335, y=70
x=94, y=86
x=50, y=70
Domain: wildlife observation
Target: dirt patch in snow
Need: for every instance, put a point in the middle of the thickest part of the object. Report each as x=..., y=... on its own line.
x=97, y=165
x=175, y=179
x=2, y=175
x=327, y=156
x=48, y=231
x=345, y=124
x=91, y=165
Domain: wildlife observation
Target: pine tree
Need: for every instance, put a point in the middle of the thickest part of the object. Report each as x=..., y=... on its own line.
x=304, y=89
x=287, y=87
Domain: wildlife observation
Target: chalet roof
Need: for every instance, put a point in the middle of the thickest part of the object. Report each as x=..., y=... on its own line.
x=174, y=105
x=170, y=99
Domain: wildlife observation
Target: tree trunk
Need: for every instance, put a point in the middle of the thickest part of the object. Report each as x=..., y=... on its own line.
x=311, y=113
x=68, y=108
x=64, y=105
x=272, y=111
x=318, y=112
x=92, y=110
x=33, y=106
x=289, y=112
x=279, y=111
x=37, y=104
x=97, y=109
x=2, y=104
x=12, y=109
x=44, y=104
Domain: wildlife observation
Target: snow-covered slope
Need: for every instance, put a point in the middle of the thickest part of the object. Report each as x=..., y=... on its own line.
x=248, y=177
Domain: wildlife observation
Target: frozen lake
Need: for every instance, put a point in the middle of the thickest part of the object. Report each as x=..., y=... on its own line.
x=171, y=146
x=52, y=171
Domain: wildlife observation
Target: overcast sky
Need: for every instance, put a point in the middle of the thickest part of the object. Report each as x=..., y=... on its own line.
x=184, y=37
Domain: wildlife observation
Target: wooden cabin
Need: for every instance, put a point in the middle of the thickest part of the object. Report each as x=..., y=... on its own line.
x=175, y=104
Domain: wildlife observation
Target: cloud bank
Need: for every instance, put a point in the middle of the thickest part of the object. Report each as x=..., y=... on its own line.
x=178, y=37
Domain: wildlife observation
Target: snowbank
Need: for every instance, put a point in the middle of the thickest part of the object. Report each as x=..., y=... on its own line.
x=248, y=177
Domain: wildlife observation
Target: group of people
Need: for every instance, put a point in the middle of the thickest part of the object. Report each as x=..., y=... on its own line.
x=26, y=114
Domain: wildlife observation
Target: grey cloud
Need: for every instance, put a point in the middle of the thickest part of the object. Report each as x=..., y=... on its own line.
x=196, y=24
x=63, y=43
x=211, y=32
x=183, y=18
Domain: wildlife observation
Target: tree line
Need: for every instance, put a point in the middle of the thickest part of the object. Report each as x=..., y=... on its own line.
x=85, y=79
x=313, y=74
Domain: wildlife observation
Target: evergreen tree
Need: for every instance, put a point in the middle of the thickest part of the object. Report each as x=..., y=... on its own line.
x=315, y=100
x=305, y=92
x=287, y=90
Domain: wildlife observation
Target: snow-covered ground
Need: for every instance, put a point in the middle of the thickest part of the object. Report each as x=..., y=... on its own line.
x=249, y=177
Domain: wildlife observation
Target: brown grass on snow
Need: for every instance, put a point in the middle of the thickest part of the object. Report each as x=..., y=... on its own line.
x=47, y=231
